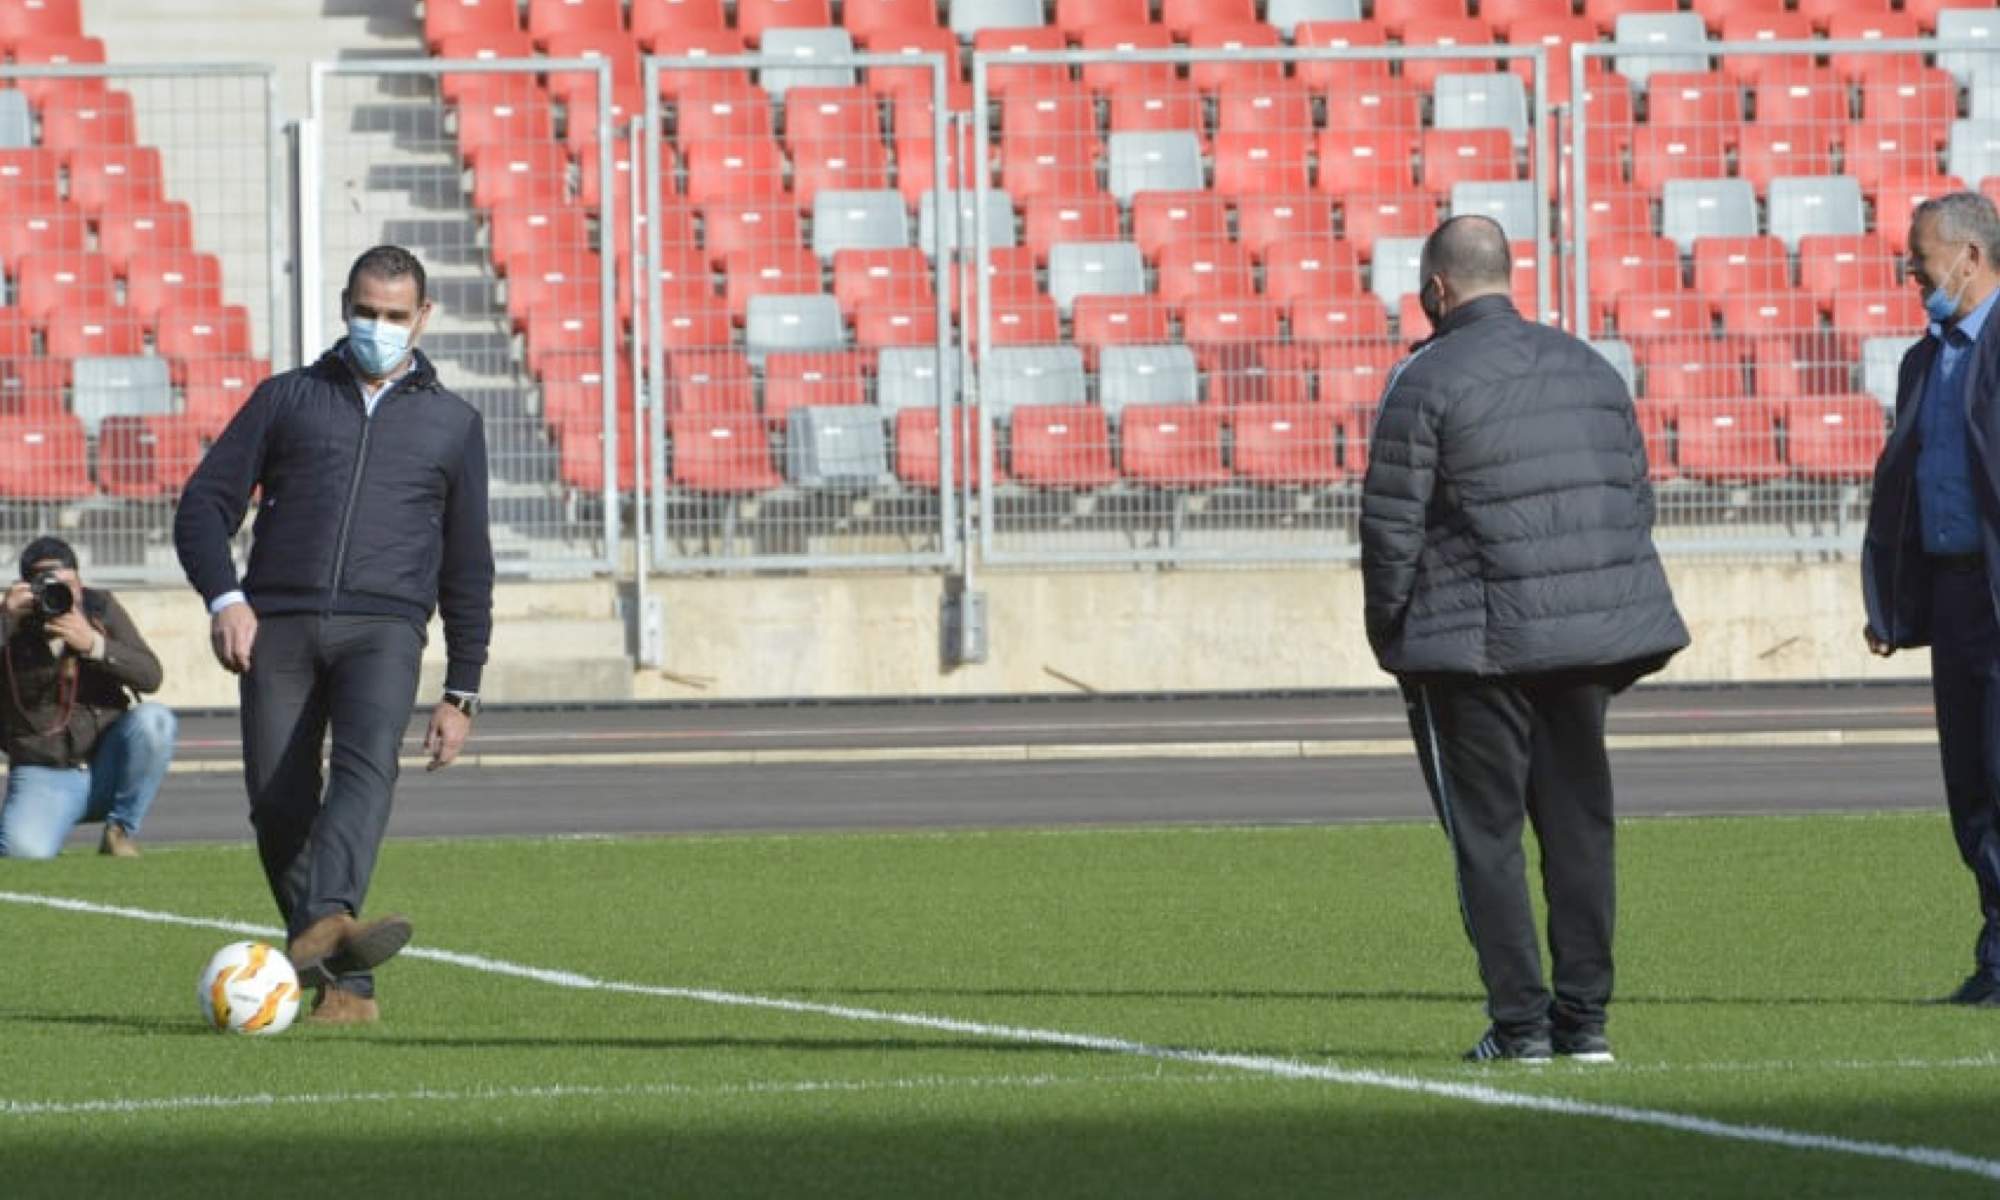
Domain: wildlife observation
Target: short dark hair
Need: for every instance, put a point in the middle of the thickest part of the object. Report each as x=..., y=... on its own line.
x=1471, y=251
x=47, y=549
x=388, y=262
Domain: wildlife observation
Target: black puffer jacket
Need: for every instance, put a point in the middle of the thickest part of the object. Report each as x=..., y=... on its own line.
x=383, y=515
x=1506, y=521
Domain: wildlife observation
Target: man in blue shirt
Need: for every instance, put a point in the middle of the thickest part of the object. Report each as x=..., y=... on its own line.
x=1933, y=543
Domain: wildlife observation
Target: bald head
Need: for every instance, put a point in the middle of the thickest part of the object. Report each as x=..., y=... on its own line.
x=1471, y=255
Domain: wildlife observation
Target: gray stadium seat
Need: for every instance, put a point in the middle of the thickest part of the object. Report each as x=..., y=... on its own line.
x=1974, y=150
x=844, y=220
x=1805, y=204
x=1512, y=204
x=805, y=47
x=1094, y=269
x=1129, y=375
x=999, y=221
x=1619, y=355
x=119, y=386
x=968, y=17
x=1968, y=25
x=1881, y=363
x=841, y=446
x=792, y=323
x=1155, y=162
x=1985, y=90
x=1397, y=270
x=1288, y=15
x=1490, y=101
x=1018, y=375
x=907, y=377
x=17, y=128
x=1695, y=208
x=1659, y=32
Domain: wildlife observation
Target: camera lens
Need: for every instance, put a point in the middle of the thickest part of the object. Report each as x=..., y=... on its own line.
x=52, y=596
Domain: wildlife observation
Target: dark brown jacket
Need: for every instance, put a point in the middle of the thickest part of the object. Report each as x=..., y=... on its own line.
x=33, y=731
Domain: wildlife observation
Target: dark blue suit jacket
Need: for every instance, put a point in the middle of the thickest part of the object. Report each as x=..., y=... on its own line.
x=1895, y=574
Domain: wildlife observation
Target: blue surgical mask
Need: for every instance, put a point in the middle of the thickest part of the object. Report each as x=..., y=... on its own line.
x=1941, y=305
x=377, y=346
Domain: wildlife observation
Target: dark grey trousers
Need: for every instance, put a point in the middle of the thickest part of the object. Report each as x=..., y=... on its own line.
x=319, y=836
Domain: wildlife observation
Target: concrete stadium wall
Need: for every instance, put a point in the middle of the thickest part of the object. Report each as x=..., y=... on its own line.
x=1051, y=633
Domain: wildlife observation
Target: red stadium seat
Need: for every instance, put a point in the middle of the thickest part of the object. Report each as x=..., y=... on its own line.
x=1664, y=152
x=196, y=333
x=775, y=270
x=1394, y=15
x=1728, y=441
x=49, y=281
x=1060, y=446
x=1811, y=364
x=516, y=230
x=44, y=458
x=1262, y=163
x=578, y=89
x=1077, y=17
x=1160, y=219
x=695, y=328
x=78, y=332
x=1341, y=35
x=457, y=87
x=1212, y=75
x=1558, y=33
x=1286, y=445
x=548, y=18
x=1263, y=106
x=215, y=388
x=1311, y=269
x=1395, y=214
x=1757, y=25
x=1802, y=97
x=899, y=81
x=1172, y=445
x=1767, y=152
x=17, y=345
x=554, y=278
x=728, y=112
x=1896, y=200
x=919, y=459
x=562, y=332
x=883, y=326
x=1820, y=12
x=811, y=379
x=501, y=123
x=1051, y=219
x=1001, y=78
x=683, y=83
x=1503, y=15
x=867, y=20
x=443, y=19
x=1877, y=153
x=754, y=18
x=1257, y=375
x=1832, y=265
x=31, y=385
x=1606, y=12
x=830, y=115
x=1689, y=368
x=1367, y=161
x=1455, y=156
x=1195, y=271
x=532, y=174
x=31, y=179
x=1339, y=319
x=917, y=166
x=1067, y=110
x=1628, y=265
x=1614, y=211
x=1898, y=94
x=1355, y=372
x=723, y=453
x=51, y=51
x=1834, y=437
x=1761, y=314
x=1262, y=221
x=1010, y=273
x=1738, y=267
x=1661, y=314
x=843, y=165
x=881, y=277
x=710, y=381
x=1183, y=17
x=653, y=18
x=1861, y=315
x=146, y=457
x=1385, y=103
x=1158, y=108
x=1715, y=13
x=1022, y=320
x=1693, y=98
x=1057, y=166
x=88, y=121
x=159, y=279
x=735, y=170
x=580, y=449
x=1117, y=77
x=24, y=231
x=1444, y=31
x=1100, y=321
x=1219, y=328
x=1864, y=26
x=1926, y=11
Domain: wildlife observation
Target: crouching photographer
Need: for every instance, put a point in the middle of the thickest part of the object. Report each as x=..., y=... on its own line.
x=79, y=747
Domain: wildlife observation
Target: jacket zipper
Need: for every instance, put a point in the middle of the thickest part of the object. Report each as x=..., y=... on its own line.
x=347, y=514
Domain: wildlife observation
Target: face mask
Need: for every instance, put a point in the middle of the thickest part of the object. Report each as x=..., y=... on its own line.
x=376, y=346
x=1941, y=305
x=1431, y=300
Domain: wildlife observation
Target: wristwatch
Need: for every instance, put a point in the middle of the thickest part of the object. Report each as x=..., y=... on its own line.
x=465, y=702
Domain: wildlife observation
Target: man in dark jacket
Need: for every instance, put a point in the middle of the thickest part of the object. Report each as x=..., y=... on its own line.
x=1512, y=588
x=78, y=748
x=371, y=479
x=1928, y=562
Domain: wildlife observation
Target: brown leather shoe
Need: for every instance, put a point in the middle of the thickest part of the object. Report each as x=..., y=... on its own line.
x=310, y=950
x=117, y=842
x=338, y=1006
x=340, y=945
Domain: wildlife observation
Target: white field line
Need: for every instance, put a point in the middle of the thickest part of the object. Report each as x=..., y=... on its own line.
x=574, y=1091
x=1278, y=1068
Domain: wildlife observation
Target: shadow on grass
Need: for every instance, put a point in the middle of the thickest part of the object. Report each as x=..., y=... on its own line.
x=1307, y=995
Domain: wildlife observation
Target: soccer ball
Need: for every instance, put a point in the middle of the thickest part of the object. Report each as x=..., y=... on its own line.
x=249, y=988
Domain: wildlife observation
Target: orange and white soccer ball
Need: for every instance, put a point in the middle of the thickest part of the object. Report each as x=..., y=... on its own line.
x=249, y=988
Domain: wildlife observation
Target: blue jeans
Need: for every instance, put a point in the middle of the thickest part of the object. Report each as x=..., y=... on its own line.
x=44, y=803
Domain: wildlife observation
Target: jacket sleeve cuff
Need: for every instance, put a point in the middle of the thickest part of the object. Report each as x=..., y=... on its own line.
x=462, y=676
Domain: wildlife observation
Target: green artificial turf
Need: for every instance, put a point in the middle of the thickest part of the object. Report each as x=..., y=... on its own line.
x=1771, y=973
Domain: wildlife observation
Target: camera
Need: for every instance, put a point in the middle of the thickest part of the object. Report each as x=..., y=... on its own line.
x=52, y=596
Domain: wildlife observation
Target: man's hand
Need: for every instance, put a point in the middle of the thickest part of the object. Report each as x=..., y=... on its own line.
x=75, y=631
x=231, y=634
x=446, y=736
x=20, y=601
x=1876, y=645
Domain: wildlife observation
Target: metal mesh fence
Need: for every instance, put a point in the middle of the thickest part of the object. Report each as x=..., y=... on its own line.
x=801, y=344
x=494, y=173
x=1739, y=213
x=1201, y=265
x=141, y=218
